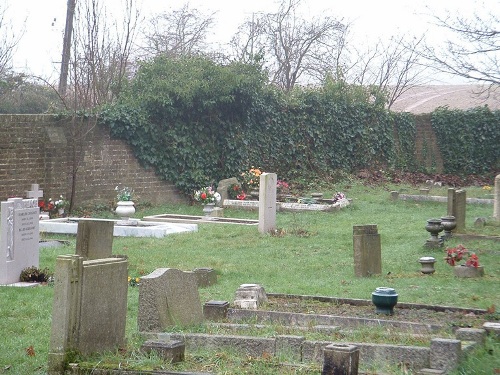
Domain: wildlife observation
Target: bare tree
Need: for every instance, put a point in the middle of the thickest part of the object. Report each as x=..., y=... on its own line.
x=473, y=51
x=181, y=32
x=390, y=68
x=101, y=51
x=8, y=41
x=290, y=46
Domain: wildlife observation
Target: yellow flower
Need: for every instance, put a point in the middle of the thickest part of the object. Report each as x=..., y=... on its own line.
x=486, y=187
x=137, y=279
x=129, y=278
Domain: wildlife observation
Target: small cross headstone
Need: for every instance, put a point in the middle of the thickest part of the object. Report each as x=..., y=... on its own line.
x=35, y=192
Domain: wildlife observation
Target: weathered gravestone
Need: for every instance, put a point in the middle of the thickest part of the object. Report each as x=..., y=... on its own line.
x=19, y=238
x=496, y=199
x=456, y=207
x=89, y=308
x=168, y=297
x=223, y=186
x=267, y=202
x=367, y=250
x=94, y=239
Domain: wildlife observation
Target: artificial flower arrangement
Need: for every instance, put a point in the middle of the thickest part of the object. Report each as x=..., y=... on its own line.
x=235, y=191
x=251, y=178
x=124, y=194
x=456, y=254
x=207, y=195
x=61, y=203
x=338, y=196
x=46, y=206
x=282, y=187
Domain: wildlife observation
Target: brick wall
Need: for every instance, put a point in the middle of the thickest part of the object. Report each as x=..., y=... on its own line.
x=46, y=149
x=427, y=150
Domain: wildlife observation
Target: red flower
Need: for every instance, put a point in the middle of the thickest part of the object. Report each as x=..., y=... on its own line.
x=203, y=195
x=241, y=196
x=41, y=204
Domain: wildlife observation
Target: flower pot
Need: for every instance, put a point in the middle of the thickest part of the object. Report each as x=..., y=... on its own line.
x=427, y=264
x=467, y=271
x=384, y=300
x=208, y=208
x=60, y=211
x=125, y=209
x=449, y=223
x=433, y=226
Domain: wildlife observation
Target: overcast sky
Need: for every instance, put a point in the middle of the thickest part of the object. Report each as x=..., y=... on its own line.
x=43, y=21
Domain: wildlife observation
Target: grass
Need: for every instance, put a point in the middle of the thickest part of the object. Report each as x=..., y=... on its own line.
x=313, y=255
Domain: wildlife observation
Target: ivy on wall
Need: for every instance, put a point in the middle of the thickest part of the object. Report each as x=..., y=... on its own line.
x=196, y=122
x=469, y=140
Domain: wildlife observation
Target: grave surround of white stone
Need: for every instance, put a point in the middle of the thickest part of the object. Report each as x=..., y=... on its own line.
x=19, y=238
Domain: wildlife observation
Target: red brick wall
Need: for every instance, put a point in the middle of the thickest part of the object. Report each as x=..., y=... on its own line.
x=44, y=149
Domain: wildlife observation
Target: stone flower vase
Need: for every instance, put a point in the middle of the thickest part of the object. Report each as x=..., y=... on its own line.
x=125, y=209
x=468, y=271
x=427, y=264
x=208, y=208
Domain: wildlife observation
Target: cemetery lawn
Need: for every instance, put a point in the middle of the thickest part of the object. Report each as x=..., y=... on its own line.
x=311, y=254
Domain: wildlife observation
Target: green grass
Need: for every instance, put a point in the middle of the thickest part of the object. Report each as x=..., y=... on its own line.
x=314, y=256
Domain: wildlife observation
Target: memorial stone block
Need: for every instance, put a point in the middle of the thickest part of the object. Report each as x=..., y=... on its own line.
x=367, y=250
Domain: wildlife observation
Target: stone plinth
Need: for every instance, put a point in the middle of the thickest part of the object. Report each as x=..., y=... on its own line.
x=170, y=351
x=367, y=251
x=340, y=359
x=250, y=296
x=215, y=310
x=267, y=202
x=205, y=277
x=445, y=353
x=496, y=199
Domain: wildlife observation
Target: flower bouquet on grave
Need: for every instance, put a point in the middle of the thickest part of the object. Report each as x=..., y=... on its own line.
x=235, y=191
x=125, y=194
x=471, y=268
x=337, y=197
x=251, y=179
x=207, y=195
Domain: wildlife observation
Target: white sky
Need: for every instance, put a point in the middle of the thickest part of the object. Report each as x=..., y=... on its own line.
x=40, y=47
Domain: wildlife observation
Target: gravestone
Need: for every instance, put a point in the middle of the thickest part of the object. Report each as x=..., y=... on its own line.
x=89, y=309
x=340, y=359
x=168, y=297
x=367, y=250
x=456, y=207
x=19, y=238
x=94, y=239
x=496, y=199
x=223, y=186
x=267, y=202
x=35, y=192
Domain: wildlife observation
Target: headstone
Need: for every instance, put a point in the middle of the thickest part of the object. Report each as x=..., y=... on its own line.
x=168, y=297
x=267, y=202
x=35, y=192
x=19, y=238
x=456, y=207
x=205, y=277
x=340, y=359
x=94, y=239
x=367, y=250
x=496, y=199
x=89, y=309
x=224, y=185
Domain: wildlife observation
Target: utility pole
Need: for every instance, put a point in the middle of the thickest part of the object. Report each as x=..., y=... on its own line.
x=66, y=53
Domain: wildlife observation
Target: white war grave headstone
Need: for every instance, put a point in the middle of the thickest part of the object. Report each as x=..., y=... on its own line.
x=267, y=202
x=19, y=237
x=496, y=200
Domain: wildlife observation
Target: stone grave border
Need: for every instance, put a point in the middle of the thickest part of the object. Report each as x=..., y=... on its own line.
x=287, y=206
